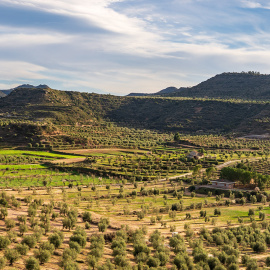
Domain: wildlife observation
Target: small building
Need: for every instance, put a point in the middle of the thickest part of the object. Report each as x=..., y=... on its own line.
x=195, y=155
x=221, y=183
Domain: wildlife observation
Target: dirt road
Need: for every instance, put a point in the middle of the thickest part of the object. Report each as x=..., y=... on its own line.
x=218, y=167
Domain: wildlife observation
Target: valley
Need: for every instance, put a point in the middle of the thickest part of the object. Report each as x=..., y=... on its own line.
x=164, y=181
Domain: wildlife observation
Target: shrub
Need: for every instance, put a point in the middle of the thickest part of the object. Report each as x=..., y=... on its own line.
x=259, y=247
x=189, y=233
x=140, y=215
x=29, y=240
x=22, y=249
x=233, y=266
x=153, y=220
x=103, y=224
x=43, y=256
x=75, y=245
x=140, y=247
x=79, y=236
x=177, y=207
x=2, y=262
x=267, y=261
x=203, y=213
x=22, y=219
x=12, y=255
x=177, y=244
x=54, y=215
x=47, y=246
x=55, y=239
x=121, y=261
x=92, y=261
x=32, y=264
x=4, y=242
x=199, y=255
x=153, y=262
x=252, y=265
x=3, y=213
x=97, y=245
x=32, y=211
x=12, y=236
x=244, y=259
x=10, y=223
x=163, y=257
x=70, y=265
x=180, y=262
x=262, y=216
x=69, y=254
x=23, y=228
x=86, y=216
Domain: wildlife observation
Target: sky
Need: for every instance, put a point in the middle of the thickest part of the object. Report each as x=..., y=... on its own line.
x=123, y=46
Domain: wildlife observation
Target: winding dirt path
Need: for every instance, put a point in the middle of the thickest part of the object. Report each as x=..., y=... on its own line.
x=219, y=167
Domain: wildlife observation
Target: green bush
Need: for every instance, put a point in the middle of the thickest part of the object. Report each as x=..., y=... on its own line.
x=153, y=262
x=86, y=216
x=32, y=264
x=267, y=261
x=29, y=240
x=43, y=256
x=47, y=246
x=70, y=265
x=10, y=224
x=22, y=249
x=75, y=245
x=103, y=224
x=4, y=242
x=55, y=239
x=69, y=254
x=259, y=247
x=2, y=262
x=12, y=255
x=92, y=261
x=23, y=228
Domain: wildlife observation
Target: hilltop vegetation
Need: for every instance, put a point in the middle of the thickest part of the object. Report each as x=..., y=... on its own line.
x=245, y=85
x=163, y=114
x=251, y=85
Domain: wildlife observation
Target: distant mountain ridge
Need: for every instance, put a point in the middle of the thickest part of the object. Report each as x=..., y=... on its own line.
x=167, y=90
x=246, y=85
x=4, y=93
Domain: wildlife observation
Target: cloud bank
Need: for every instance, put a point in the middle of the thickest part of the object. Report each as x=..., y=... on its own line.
x=122, y=46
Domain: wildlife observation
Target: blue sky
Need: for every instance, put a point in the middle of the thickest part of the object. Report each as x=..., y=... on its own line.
x=123, y=46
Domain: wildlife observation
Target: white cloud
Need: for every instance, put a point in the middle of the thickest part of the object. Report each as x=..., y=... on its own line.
x=31, y=38
x=147, y=47
x=250, y=4
x=97, y=12
x=255, y=4
x=17, y=70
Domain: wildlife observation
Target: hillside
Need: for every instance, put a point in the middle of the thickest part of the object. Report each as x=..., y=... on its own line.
x=164, y=114
x=248, y=86
x=167, y=90
x=4, y=93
